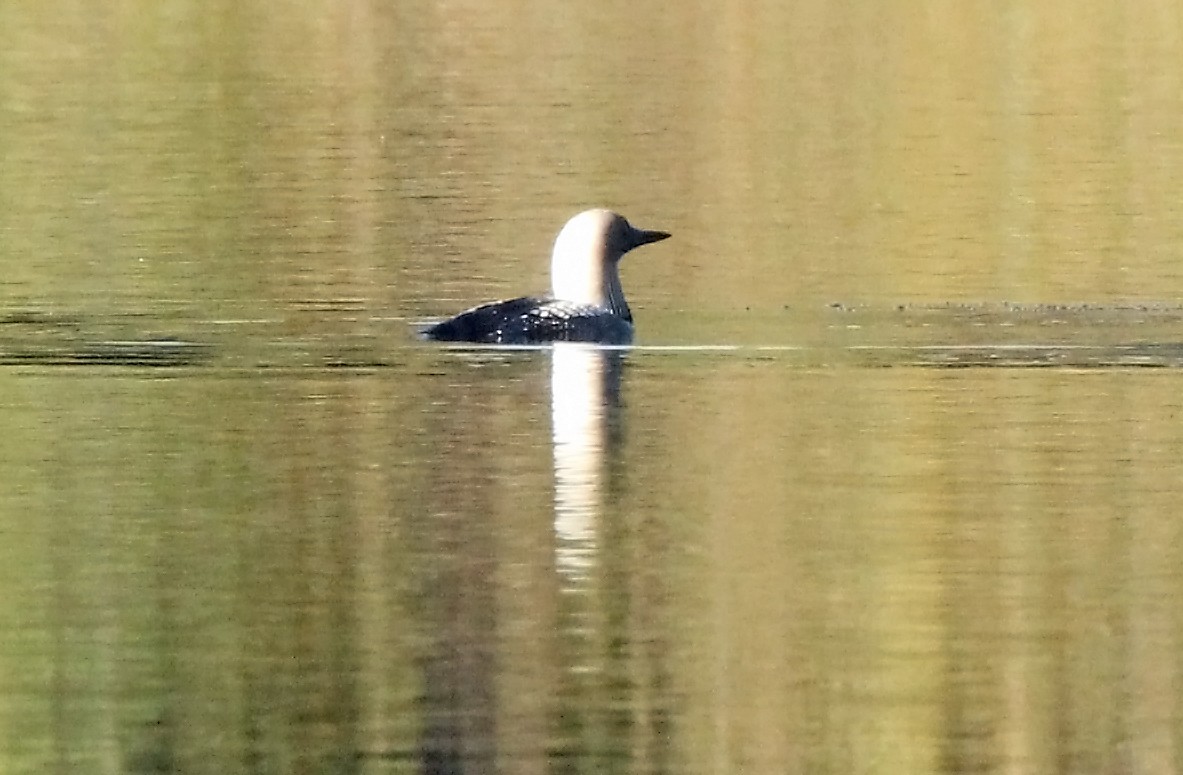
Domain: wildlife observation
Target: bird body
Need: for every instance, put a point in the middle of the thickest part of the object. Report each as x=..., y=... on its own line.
x=586, y=304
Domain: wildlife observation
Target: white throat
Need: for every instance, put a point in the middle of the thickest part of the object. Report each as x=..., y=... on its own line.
x=583, y=266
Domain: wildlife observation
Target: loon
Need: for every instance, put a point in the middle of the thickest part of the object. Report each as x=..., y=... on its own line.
x=586, y=303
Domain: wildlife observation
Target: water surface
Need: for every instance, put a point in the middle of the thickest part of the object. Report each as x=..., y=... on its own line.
x=889, y=483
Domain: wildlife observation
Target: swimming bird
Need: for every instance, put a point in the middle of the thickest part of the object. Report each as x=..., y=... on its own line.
x=586, y=303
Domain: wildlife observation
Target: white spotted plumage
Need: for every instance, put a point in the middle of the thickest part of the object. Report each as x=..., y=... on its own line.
x=587, y=301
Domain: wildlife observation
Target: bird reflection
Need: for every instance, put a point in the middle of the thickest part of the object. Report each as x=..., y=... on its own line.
x=585, y=392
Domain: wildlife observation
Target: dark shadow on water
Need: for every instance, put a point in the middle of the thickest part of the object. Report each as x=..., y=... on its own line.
x=1024, y=356
x=1010, y=335
x=988, y=335
x=46, y=339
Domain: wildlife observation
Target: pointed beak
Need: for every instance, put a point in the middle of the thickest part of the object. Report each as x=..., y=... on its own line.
x=643, y=237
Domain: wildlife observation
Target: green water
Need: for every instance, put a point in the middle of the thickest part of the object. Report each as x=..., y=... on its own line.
x=888, y=485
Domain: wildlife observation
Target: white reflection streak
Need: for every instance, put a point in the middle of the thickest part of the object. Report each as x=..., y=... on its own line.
x=577, y=413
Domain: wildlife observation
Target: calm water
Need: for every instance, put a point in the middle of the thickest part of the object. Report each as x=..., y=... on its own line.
x=890, y=483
